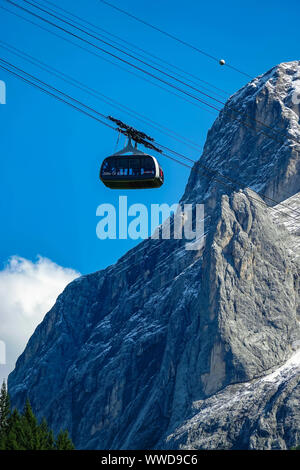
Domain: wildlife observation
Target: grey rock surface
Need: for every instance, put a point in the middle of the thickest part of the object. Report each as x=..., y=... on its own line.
x=171, y=348
x=261, y=414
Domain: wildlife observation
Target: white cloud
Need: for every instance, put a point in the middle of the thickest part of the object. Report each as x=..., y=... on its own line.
x=27, y=292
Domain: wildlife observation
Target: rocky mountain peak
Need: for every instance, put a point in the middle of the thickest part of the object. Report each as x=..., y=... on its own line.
x=255, y=141
x=197, y=349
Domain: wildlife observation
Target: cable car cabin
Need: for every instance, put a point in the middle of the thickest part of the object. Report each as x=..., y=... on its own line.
x=131, y=169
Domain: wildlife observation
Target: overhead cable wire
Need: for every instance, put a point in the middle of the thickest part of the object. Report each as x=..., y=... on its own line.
x=107, y=43
x=105, y=117
x=147, y=72
x=95, y=93
x=182, y=97
x=160, y=71
x=110, y=34
x=52, y=94
x=70, y=104
x=77, y=107
x=172, y=36
x=195, y=89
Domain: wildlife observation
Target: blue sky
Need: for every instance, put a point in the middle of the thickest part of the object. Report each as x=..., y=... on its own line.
x=51, y=154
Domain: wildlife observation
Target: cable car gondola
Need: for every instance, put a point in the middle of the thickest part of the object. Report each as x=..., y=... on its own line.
x=131, y=168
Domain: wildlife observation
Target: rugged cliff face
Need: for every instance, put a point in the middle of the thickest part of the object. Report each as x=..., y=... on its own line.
x=197, y=349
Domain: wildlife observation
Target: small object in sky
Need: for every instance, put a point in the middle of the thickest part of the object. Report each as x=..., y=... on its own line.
x=222, y=62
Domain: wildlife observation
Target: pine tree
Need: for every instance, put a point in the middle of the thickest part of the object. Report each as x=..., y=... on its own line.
x=63, y=441
x=46, y=439
x=4, y=414
x=23, y=432
x=30, y=431
x=15, y=438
